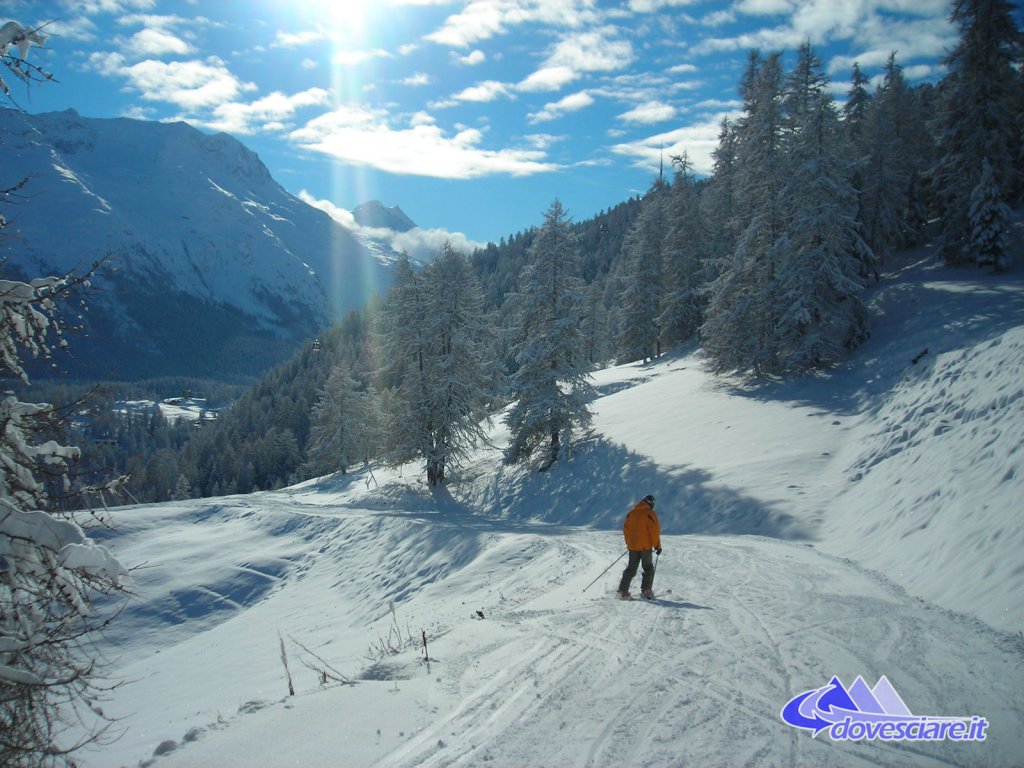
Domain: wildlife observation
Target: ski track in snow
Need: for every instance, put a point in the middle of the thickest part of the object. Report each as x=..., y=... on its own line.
x=675, y=681
x=554, y=676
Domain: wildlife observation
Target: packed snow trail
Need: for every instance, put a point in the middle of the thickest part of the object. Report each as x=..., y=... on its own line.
x=553, y=676
x=701, y=678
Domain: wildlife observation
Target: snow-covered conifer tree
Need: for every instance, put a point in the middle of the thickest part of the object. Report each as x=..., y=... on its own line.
x=685, y=258
x=977, y=121
x=888, y=167
x=990, y=219
x=816, y=284
x=718, y=204
x=551, y=386
x=343, y=430
x=460, y=382
x=596, y=348
x=640, y=302
x=406, y=349
x=741, y=313
x=438, y=338
x=858, y=97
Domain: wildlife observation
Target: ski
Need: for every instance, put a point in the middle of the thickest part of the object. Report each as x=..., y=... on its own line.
x=652, y=599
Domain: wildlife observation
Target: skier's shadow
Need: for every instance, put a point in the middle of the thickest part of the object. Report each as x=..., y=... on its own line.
x=680, y=604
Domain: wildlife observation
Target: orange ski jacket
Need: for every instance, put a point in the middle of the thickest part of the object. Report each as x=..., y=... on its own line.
x=642, y=529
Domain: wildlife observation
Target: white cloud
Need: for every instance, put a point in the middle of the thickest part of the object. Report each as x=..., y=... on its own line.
x=718, y=18
x=473, y=58
x=548, y=79
x=867, y=25
x=268, y=113
x=650, y=6
x=595, y=50
x=110, y=6
x=488, y=90
x=766, y=7
x=421, y=244
x=156, y=42
x=354, y=57
x=543, y=140
x=358, y=135
x=424, y=244
x=159, y=21
x=484, y=19
x=75, y=28
x=697, y=140
x=340, y=215
x=571, y=103
x=187, y=84
x=416, y=80
x=720, y=104
x=299, y=39
x=649, y=112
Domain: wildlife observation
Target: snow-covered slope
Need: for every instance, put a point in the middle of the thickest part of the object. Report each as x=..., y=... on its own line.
x=864, y=523
x=200, y=239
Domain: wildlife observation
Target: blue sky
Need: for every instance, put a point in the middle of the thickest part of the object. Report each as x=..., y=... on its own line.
x=472, y=116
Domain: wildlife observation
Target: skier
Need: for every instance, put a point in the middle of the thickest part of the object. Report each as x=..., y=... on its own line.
x=642, y=532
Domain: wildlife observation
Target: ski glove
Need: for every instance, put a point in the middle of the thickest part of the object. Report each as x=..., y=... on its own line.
x=658, y=550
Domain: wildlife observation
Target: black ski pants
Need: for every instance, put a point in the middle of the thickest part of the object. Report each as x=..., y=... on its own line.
x=636, y=557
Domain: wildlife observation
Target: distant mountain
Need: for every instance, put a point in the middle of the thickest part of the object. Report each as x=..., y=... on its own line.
x=374, y=214
x=214, y=269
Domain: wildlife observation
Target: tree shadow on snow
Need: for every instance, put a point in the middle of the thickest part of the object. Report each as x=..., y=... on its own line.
x=598, y=485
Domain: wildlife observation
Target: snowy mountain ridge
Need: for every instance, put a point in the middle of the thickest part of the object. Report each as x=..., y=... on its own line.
x=197, y=233
x=863, y=523
x=376, y=215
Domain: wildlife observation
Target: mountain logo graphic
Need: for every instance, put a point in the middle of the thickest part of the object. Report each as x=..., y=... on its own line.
x=864, y=713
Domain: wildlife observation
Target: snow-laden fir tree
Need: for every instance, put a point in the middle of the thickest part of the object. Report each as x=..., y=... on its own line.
x=977, y=121
x=889, y=167
x=640, y=303
x=407, y=349
x=816, y=283
x=344, y=429
x=551, y=387
x=854, y=110
x=685, y=258
x=990, y=221
x=596, y=348
x=741, y=315
x=437, y=334
x=717, y=205
x=461, y=381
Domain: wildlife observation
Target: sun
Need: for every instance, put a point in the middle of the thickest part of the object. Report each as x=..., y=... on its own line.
x=353, y=16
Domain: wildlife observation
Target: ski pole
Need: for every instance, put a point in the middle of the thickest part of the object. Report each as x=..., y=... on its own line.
x=602, y=573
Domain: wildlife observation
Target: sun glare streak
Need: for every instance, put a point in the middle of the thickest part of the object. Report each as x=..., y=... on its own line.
x=355, y=30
